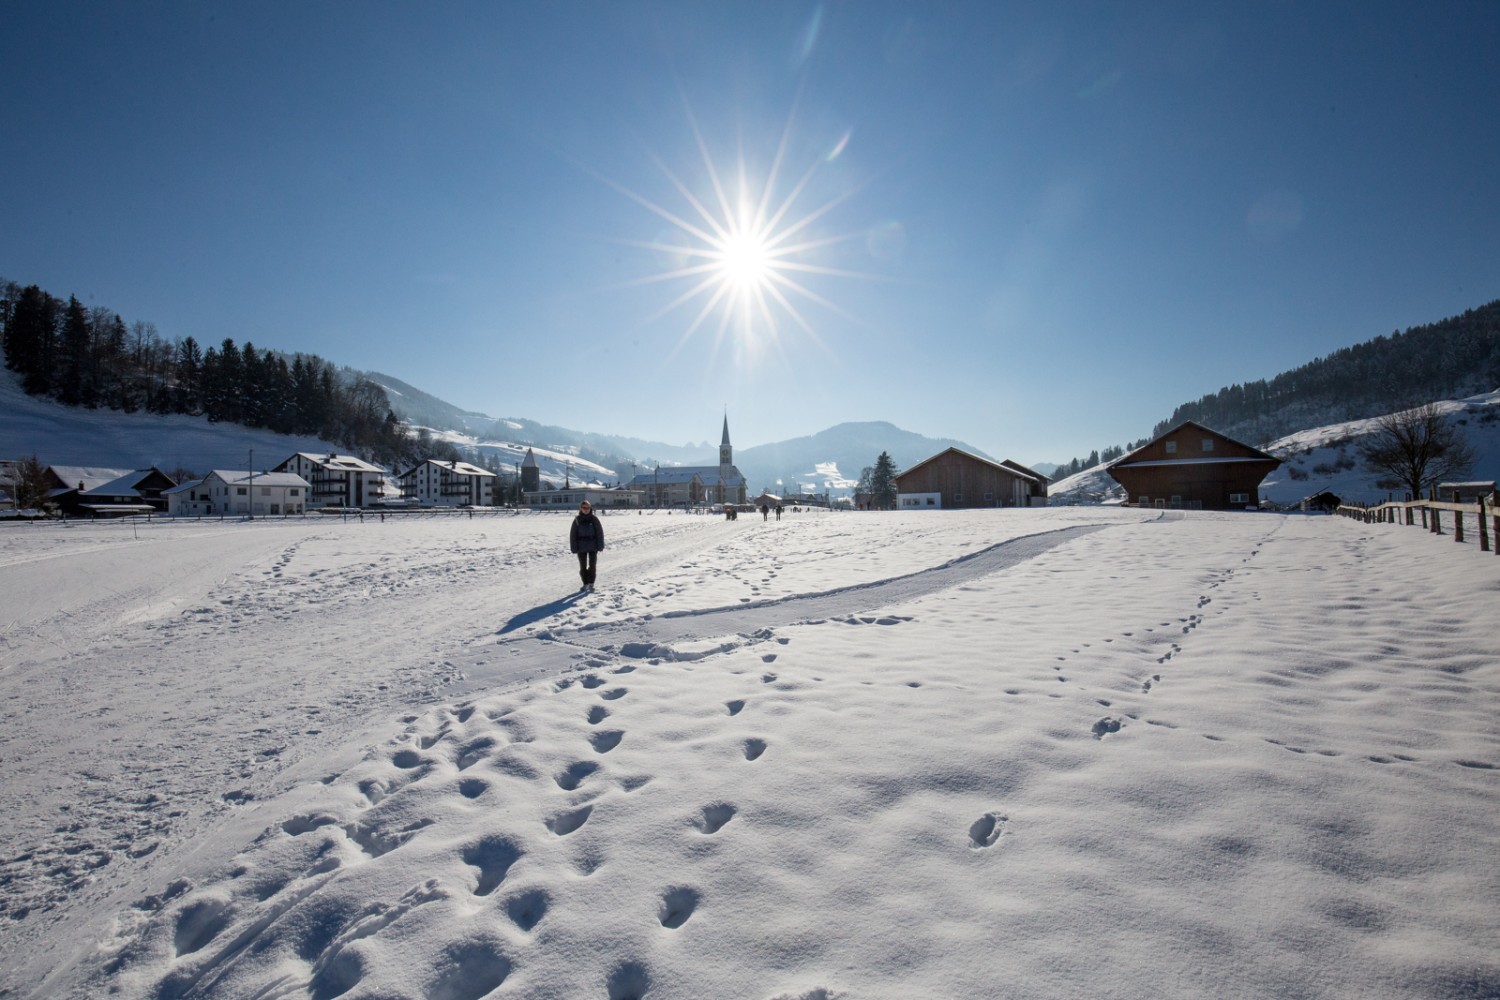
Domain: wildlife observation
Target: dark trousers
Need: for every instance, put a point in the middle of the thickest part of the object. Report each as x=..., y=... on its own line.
x=586, y=561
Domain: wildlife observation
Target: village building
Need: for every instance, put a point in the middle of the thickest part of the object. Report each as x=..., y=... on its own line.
x=10, y=472
x=339, y=480
x=694, y=485
x=601, y=498
x=235, y=493
x=439, y=483
x=531, y=474
x=87, y=491
x=955, y=479
x=1195, y=468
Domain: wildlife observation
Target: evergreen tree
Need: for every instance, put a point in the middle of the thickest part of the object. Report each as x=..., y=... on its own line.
x=73, y=355
x=883, y=483
x=187, y=395
x=31, y=339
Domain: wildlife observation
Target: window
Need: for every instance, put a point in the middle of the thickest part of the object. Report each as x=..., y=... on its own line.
x=265, y=491
x=296, y=491
x=240, y=491
x=989, y=496
x=1208, y=444
x=1239, y=498
x=1171, y=447
x=958, y=498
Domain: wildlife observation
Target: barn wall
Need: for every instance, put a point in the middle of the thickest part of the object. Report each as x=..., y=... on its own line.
x=964, y=482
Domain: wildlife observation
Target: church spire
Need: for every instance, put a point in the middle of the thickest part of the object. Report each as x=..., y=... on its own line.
x=726, y=453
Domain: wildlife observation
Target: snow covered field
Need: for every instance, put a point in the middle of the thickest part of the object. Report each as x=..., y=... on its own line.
x=1055, y=753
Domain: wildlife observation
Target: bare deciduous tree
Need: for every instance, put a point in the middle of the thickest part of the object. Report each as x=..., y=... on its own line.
x=27, y=483
x=1417, y=449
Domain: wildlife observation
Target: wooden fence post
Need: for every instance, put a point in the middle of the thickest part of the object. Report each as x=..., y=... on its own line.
x=1484, y=535
x=1458, y=525
x=1425, y=526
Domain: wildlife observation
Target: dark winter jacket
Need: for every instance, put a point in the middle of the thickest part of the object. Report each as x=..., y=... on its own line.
x=587, y=534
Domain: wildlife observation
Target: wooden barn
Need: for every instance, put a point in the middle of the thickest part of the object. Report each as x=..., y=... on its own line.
x=1193, y=467
x=955, y=479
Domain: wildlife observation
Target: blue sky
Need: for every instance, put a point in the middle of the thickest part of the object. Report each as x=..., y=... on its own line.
x=1033, y=227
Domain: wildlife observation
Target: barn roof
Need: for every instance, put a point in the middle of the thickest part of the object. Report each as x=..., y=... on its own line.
x=90, y=476
x=1223, y=460
x=120, y=486
x=1020, y=471
x=1257, y=456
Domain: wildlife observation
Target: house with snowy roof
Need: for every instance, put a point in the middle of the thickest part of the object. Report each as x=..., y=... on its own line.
x=439, y=483
x=1193, y=467
x=237, y=493
x=91, y=491
x=691, y=485
x=339, y=480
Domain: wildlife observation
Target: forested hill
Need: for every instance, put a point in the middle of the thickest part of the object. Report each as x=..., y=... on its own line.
x=1449, y=359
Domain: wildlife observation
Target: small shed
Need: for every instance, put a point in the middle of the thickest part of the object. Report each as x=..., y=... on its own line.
x=1325, y=500
x=1467, y=492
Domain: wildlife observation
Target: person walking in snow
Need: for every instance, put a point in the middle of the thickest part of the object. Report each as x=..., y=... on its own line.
x=586, y=541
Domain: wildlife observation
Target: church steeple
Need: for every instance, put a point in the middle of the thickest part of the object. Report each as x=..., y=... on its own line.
x=726, y=453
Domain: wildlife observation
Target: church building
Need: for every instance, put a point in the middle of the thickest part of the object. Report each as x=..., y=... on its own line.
x=694, y=485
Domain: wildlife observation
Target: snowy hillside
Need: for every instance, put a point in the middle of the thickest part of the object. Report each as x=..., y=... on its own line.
x=1322, y=458
x=557, y=466
x=1326, y=458
x=68, y=435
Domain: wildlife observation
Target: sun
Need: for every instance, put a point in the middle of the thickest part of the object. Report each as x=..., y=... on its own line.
x=746, y=249
x=745, y=261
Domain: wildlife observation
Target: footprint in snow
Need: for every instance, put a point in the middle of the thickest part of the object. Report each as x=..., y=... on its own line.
x=713, y=817
x=986, y=830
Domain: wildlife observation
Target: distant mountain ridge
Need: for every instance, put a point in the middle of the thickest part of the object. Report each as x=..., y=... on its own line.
x=828, y=460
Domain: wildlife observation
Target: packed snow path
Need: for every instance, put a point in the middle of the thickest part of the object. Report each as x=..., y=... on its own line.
x=659, y=636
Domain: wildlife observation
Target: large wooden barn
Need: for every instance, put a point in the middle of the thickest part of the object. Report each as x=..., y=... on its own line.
x=1193, y=467
x=957, y=479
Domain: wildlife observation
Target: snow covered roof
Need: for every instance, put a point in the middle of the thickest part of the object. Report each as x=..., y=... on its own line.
x=90, y=476
x=236, y=476
x=121, y=485
x=191, y=484
x=344, y=463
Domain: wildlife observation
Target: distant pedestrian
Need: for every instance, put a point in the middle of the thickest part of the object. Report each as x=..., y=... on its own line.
x=586, y=541
x=765, y=512
x=778, y=512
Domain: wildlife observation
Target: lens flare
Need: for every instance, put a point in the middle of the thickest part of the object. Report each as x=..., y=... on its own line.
x=746, y=251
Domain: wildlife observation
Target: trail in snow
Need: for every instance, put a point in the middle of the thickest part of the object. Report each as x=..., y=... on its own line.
x=551, y=650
